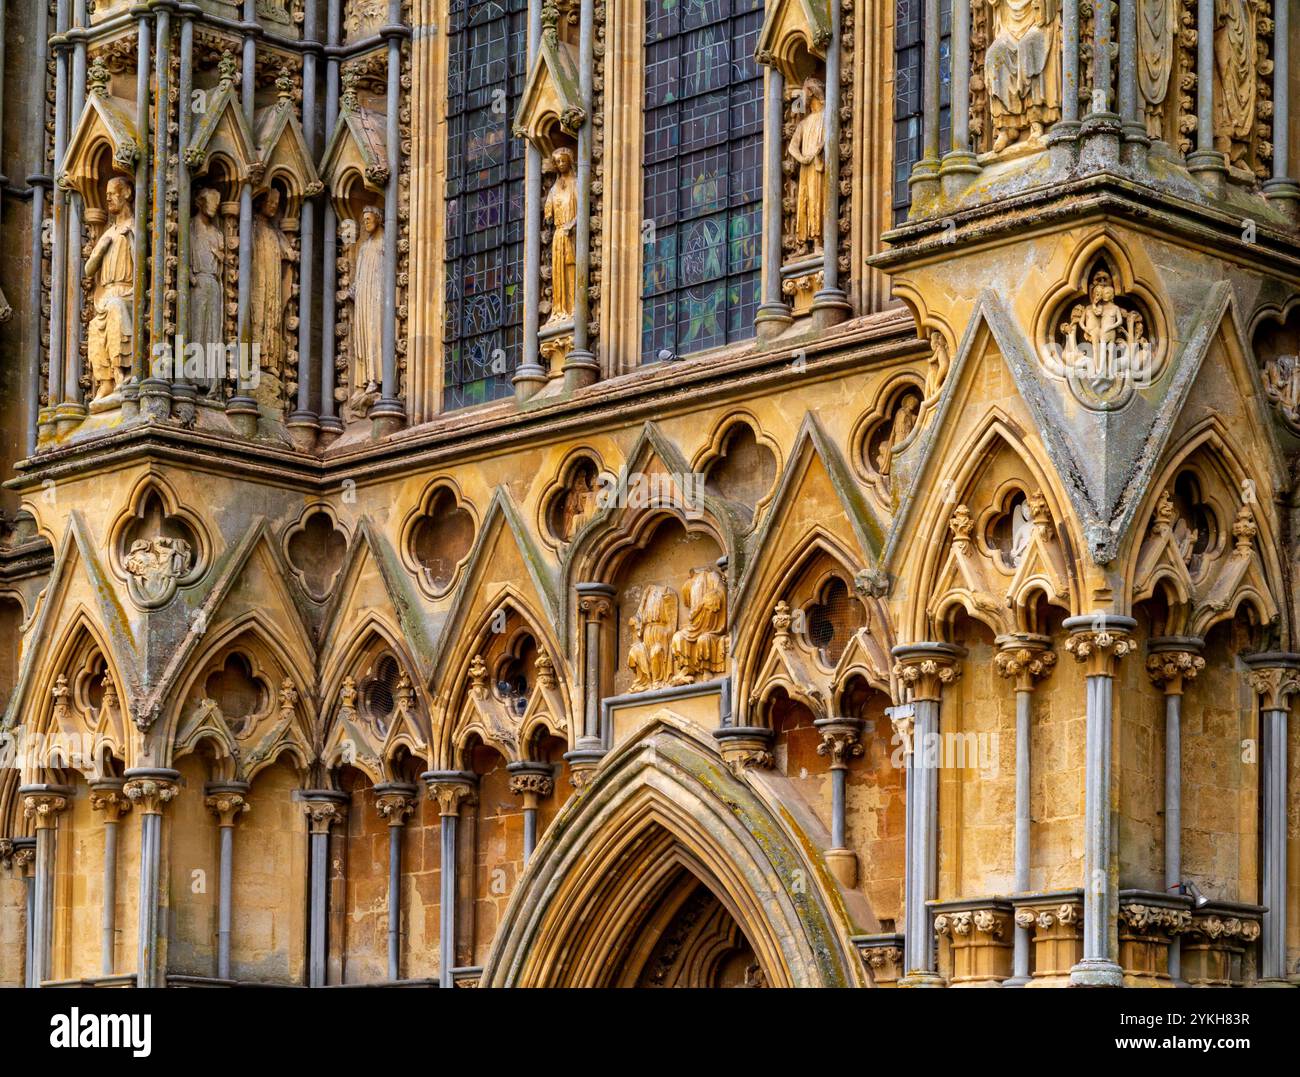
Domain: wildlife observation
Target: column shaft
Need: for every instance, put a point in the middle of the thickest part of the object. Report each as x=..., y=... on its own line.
x=318, y=897
x=1273, y=865
x=1070, y=63
x=447, y=902
x=1024, y=756
x=394, y=902
x=224, y=901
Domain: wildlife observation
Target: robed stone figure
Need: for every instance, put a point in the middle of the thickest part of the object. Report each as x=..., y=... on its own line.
x=808, y=148
x=207, y=264
x=561, y=212
x=368, y=302
x=111, y=266
x=272, y=284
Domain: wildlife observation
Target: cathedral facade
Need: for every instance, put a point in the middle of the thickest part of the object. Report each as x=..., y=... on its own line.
x=649, y=493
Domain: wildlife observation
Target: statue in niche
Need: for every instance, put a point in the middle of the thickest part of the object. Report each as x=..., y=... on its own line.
x=1282, y=381
x=1022, y=530
x=272, y=284
x=650, y=656
x=900, y=426
x=940, y=360
x=700, y=647
x=561, y=212
x=367, y=294
x=1113, y=338
x=1157, y=21
x=1235, y=59
x=111, y=265
x=579, y=503
x=807, y=148
x=1022, y=69
x=207, y=265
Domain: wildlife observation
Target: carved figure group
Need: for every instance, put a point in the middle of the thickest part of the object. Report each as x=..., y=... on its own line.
x=156, y=564
x=662, y=654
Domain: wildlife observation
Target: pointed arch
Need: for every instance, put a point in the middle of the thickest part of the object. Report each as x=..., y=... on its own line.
x=662, y=804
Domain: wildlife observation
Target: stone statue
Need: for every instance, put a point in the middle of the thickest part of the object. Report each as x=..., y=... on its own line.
x=700, y=647
x=1282, y=381
x=579, y=505
x=902, y=424
x=807, y=147
x=111, y=266
x=1022, y=69
x=561, y=212
x=367, y=293
x=1108, y=330
x=1235, y=36
x=207, y=265
x=1022, y=530
x=650, y=658
x=1157, y=21
x=940, y=360
x=272, y=284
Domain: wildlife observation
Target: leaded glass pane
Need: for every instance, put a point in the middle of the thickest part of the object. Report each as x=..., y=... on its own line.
x=484, y=213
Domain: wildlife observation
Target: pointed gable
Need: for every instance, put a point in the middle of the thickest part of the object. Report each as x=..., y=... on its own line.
x=792, y=27
x=356, y=150
x=551, y=95
x=282, y=148
x=104, y=120
x=223, y=130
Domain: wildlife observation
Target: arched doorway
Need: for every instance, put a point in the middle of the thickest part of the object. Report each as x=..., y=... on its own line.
x=670, y=870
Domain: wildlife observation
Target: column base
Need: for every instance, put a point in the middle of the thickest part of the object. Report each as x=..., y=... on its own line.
x=922, y=979
x=1285, y=194
x=843, y=864
x=46, y=428
x=772, y=320
x=387, y=417
x=580, y=370
x=1210, y=168
x=830, y=306
x=185, y=402
x=529, y=380
x=923, y=184
x=1100, y=140
x=243, y=413
x=330, y=428
x=1016, y=981
x=156, y=400
x=303, y=429
x=1096, y=972
x=68, y=416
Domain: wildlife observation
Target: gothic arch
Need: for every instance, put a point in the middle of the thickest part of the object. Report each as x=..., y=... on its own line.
x=663, y=804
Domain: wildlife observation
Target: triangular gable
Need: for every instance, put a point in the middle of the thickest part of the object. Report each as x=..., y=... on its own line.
x=356, y=148
x=282, y=148
x=224, y=130
x=505, y=558
x=815, y=474
x=551, y=95
x=103, y=119
x=791, y=27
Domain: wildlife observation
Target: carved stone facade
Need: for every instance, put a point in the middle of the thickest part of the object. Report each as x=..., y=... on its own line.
x=559, y=459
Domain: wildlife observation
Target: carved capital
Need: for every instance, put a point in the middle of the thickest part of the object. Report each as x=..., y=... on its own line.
x=1024, y=661
x=532, y=783
x=450, y=788
x=744, y=747
x=1099, y=641
x=840, y=741
x=1136, y=918
x=1275, y=678
x=111, y=799
x=1172, y=669
x=595, y=601
x=44, y=804
x=226, y=804
x=151, y=794
x=395, y=801
x=323, y=811
x=6, y=851
x=927, y=668
x=24, y=855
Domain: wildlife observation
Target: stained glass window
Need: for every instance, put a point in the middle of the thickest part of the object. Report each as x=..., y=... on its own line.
x=909, y=52
x=703, y=168
x=483, y=327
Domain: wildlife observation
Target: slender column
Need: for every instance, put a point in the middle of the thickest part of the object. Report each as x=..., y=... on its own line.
x=302, y=422
x=76, y=214
x=531, y=376
x=149, y=790
x=774, y=314
x=227, y=801
x=533, y=782
x=330, y=424
x=925, y=173
x=1024, y=659
x=1068, y=125
x=595, y=609
x=1172, y=663
x=38, y=418
x=140, y=293
x=1205, y=158
x=324, y=808
x=923, y=670
x=1098, y=641
x=449, y=788
x=242, y=407
x=840, y=743
x=959, y=159
x=106, y=796
x=1281, y=187
x=184, y=393
x=395, y=801
x=43, y=804
x=389, y=412
x=1275, y=678
x=59, y=327
x=580, y=367
x=1130, y=112
x=830, y=304
x=24, y=862
x=155, y=389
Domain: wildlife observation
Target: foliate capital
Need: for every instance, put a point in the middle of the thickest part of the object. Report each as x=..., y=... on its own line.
x=1274, y=677
x=395, y=801
x=323, y=813
x=226, y=806
x=151, y=790
x=1024, y=661
x=450, y=788
x=1172, y=669
x=1099, y=641
x=927, y=668
x=840, y=740
x=111, y=799
x=43, y=804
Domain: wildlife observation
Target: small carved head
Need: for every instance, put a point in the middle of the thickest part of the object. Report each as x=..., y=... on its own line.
x=562, y=160
x=118, y=194
x=208, y=200
x=371, y=218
